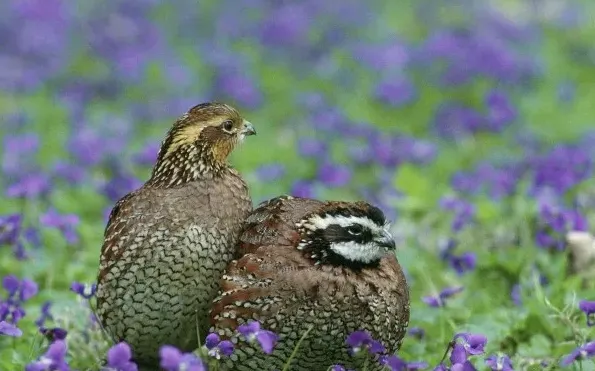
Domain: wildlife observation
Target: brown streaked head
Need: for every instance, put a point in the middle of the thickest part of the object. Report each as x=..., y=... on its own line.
x=201, y=141
x=215, y=126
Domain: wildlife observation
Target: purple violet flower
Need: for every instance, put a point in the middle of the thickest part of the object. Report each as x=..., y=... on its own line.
x=148, y=155
x=311, y=147
x=25, y=288
x=28, y=289
x=362, y=340
x=45, y=314
x=302, y=188
x=32, y=236
x=416, y=332
x=446, y=247
x=30, y=186
x=360, y=153
x=88, y=146
x=38, y=45
x=458, y=359
x=288, y=24
x=53, y=334
x=270, y=172
x=464, y=211
x=418, y=365
x=339, y=368
x=52, y=360
x=499, y=363
x=582, y=352
x=240, y=88
x=119, y=185
x=252, y=332
x=17, y=151
x=11, y=284
x=65, y=223
x=9, y=329
x=330, y=120
x=19, y=291
x=515, y=295
x=218, y=348
x=463, y=263
x=118, y=358
x=393, y=363
x=455, y=121
x=472, y=343
x=561, y=168
x=500, y=110
x=73, y=174
x=497, y=181
x=84, y=290
x=396, y=93
x=465, y=366
x=10, y=228
x=334, y=175
x=545, y=239
x=555, y=222
x=439, y=301
x=416, y=150
x=172, y=359
x=588, y=307
x=458, y=354
x=383, y=56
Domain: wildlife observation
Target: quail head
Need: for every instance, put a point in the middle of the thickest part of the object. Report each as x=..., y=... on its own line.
x=167, y=243
x=306, y=265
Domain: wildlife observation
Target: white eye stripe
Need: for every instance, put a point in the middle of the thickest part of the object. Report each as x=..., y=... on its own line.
x=318, y=222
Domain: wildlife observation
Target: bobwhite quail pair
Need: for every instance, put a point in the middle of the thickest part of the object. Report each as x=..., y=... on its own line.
x=300, y=265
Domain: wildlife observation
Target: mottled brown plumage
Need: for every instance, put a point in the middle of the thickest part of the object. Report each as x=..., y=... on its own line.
x=303, y=263
x=167, y=243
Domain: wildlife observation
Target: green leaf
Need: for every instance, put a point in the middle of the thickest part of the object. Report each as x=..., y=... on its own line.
x=539, y=346
x=416, y=185
x=487, y=210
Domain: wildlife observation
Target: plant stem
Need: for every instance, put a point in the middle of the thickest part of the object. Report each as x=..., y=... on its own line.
x=197, y=328
x=297, y=346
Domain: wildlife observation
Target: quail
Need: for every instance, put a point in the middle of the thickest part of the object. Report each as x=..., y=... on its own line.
x=307, y=265
x=167, y=243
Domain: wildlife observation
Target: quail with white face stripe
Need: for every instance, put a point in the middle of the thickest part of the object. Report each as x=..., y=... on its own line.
x=303, y=264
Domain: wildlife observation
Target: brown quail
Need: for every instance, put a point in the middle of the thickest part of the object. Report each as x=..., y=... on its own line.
x=328, y=266
x=167, y=243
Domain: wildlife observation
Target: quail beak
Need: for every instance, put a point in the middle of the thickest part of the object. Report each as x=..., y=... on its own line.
x=387, y=241
x=248, y=129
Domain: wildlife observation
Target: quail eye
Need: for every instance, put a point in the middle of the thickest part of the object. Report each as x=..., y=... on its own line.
x=227, y=126
x=355, y=229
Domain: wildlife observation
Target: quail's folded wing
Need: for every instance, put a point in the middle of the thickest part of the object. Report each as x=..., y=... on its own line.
x=120, y=229
x=251, y=288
